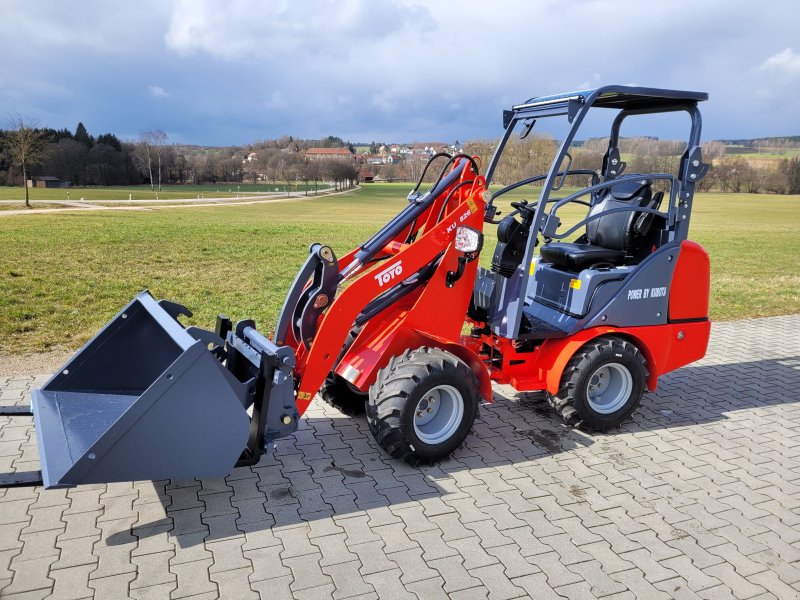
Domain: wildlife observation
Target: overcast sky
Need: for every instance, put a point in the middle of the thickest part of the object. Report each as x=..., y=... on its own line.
x=212, y=72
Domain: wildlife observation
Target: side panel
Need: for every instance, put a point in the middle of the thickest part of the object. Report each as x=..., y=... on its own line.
x=688, y=297
x=666, y=348
x=643, y=298
x=375, y=354
x=435, y=319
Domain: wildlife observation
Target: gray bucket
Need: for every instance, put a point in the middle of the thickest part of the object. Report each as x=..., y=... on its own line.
x=142, y=400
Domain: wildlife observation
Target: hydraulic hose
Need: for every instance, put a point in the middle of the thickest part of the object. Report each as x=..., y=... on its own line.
x=372, y=246
x=450, y=195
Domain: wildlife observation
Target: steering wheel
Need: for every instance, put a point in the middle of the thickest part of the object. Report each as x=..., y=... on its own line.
x=523, y=206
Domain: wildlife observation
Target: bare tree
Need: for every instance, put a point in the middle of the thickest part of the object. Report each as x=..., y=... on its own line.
x=25, y=145
x=149, y=153
x=143, y=156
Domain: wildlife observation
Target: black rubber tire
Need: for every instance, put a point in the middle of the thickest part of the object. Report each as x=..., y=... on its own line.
x=571, y=402
x=398, y=389
x=340, y=393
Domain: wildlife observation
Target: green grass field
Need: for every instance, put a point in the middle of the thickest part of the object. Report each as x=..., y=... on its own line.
x=143, y=192
x=63, y=276
x=772, y=153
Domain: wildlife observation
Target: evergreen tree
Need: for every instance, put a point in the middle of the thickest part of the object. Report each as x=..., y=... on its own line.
x=109, y=139
x=82, y=136
x=62, y=134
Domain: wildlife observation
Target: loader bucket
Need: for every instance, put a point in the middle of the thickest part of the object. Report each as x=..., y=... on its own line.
x=142, y=400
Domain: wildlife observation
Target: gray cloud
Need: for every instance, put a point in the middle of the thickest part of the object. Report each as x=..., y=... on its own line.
x=216, y=73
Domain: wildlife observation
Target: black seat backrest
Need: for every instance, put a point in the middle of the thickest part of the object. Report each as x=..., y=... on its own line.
x=616, y=231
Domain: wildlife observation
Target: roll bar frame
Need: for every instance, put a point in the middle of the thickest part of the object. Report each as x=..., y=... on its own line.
x=630, y=101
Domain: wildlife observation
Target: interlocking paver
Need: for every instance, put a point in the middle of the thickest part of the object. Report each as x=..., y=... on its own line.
x=556, y=572
x=488, y=533
x=193, y=578
x=395, y=537
x=536, y=586
x=154, y=592
x=428, y=589
x=334, y=550
x=678, y=589
x=388, y=586
x=600, y=584
x=528, y=543
x=277, y=587
x=787, y=552
x=473, y=553
x=514, y=564
x=74, y=553
x=412, y=565
x=358, y=530
x=228, y=555
x=41, y=544
x=29, y=575
x=72, y=582
x=307, y=572
x=480, y=592
x=347, y=579
x=568, y=552
x=634, y=581
x=497, y=582
x=112, y=586
x=451, y=526
x=610, y=560
x=234, y=584
x=696, y=579
x=697, y=497
x=743, y=588
x=787, y=573
x=115, y=558
x=153, y=569
x=456, y=578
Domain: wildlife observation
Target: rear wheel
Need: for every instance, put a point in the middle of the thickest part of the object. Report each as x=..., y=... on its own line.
x=422, y=405
x=342, y=395
x=602, y=384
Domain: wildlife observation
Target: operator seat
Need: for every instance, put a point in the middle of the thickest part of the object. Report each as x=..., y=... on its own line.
x=610, y=238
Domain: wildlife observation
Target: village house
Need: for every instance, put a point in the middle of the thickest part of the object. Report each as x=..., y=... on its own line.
x=46, y=181
x=328, y=153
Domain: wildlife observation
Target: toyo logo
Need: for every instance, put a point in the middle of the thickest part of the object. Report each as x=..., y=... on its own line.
x=389, y=273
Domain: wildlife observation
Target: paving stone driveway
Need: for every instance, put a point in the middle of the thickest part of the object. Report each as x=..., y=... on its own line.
x=698, y=496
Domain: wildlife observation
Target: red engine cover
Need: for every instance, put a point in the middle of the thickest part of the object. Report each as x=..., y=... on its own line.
x=688, y=296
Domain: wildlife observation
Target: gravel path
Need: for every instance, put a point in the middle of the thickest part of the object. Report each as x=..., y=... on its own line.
x=24, y=364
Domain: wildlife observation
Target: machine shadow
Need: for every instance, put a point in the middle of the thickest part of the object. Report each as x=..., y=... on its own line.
x=332, y=467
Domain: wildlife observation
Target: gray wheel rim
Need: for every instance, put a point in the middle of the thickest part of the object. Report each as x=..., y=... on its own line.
x=438, y=414
x=609, y=388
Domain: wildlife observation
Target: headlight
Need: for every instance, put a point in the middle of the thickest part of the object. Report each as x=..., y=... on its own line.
x=468, y=240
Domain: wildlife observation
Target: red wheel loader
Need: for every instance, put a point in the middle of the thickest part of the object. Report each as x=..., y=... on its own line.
x=593, y=321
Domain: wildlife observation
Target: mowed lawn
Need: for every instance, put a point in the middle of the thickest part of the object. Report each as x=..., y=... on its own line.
x=62, y=276
x=143, y=192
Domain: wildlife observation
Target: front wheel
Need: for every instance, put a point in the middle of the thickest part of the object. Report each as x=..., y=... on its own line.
x=422, y=405
x=340, y=393
x=602, y=384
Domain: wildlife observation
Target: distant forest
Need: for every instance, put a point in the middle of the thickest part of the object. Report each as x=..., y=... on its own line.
x=770, y=165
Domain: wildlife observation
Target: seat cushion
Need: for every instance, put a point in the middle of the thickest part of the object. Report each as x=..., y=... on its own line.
x=615, y=229
x=579, y=256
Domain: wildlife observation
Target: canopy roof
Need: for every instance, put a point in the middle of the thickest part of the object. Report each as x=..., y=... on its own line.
x=620, y=97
